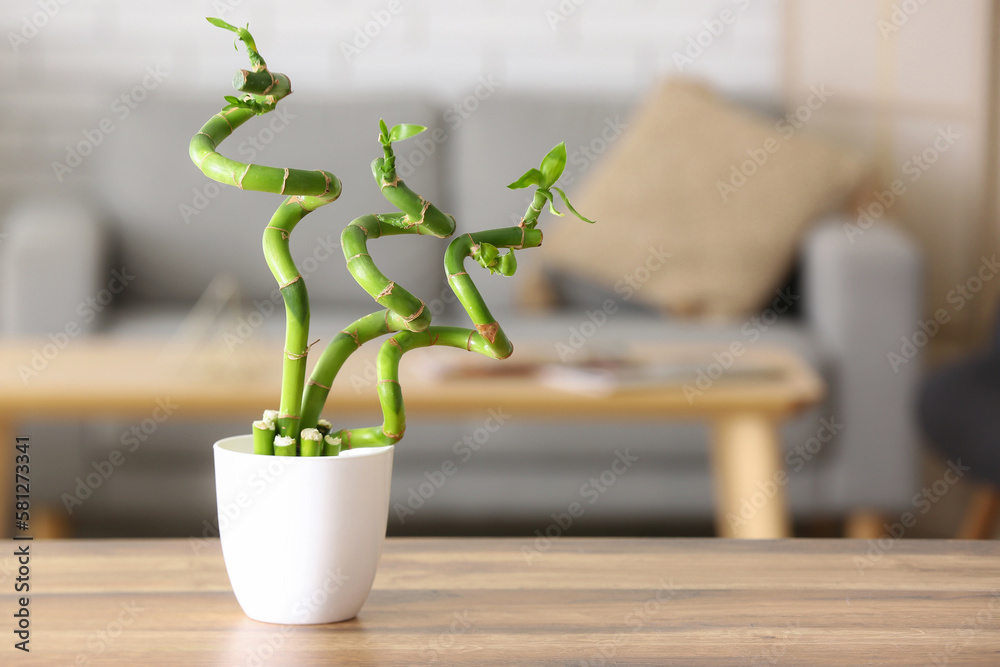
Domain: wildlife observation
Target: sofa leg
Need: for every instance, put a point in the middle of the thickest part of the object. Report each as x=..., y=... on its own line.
x=864, y=525
x=981, y=516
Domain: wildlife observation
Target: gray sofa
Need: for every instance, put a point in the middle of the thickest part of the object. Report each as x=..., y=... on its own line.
x=149, y=212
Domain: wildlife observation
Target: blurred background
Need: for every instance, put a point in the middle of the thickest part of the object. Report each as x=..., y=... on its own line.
x=821, y=176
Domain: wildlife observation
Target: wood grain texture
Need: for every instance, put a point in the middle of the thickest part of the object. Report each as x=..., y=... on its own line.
x=507, y=602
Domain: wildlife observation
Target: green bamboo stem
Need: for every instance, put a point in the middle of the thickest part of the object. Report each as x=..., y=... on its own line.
x=263, y=437
x=390, y=393
x=331, y=445
x=284, y=445
x=343, y=345
x=418, y=212
x=308, y=191
x=465, y=289
x=387, y=293
x=312, y=442
x=530, y=218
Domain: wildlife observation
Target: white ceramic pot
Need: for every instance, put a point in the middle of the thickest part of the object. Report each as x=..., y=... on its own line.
x=301, y=536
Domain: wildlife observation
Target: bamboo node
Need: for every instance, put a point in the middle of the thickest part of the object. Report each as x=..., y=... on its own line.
x=354, y=336
x=205, y=157
x=290, y=282
x=223, y=117
x=239, y=181
x=284, y=181
x=274, y=82
x=321, y=386
x=293, y=356
x=387, y=291
x=416, y=314
x=210, y=138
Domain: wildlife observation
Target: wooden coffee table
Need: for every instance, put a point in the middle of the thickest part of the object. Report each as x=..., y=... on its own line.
x=101, y=377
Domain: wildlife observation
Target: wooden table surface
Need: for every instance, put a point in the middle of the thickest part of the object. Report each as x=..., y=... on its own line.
x=515, y=602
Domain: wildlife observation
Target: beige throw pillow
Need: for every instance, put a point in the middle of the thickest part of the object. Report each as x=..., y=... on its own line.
x=700, y=206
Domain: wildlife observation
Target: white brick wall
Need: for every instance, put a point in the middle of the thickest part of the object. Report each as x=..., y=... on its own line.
x=88, y=52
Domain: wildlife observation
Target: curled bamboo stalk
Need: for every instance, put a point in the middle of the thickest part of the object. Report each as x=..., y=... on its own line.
x=295, y=428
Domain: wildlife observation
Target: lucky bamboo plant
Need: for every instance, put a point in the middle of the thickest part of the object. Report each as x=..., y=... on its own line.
x=296, y=429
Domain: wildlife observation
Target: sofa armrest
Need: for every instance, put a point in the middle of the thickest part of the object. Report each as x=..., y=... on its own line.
x=863, y=295
x=52, y=270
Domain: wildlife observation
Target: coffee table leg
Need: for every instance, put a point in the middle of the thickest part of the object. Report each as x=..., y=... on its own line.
x=750, y=478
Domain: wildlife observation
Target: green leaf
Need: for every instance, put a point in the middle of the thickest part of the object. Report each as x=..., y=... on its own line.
x=570, y=206
x=552, y=201
x=486, y=254
x=553, y=165
x=507, y=264
x=529, y=178
x=219, y=23
x=383, y=130
x=405, y=131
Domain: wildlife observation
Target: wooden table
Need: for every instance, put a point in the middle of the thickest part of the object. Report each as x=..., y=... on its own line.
x=108, y=377
x=576, y=602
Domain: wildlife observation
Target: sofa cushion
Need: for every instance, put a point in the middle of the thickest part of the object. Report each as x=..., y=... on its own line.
x=700, y=205
x=178, y=229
